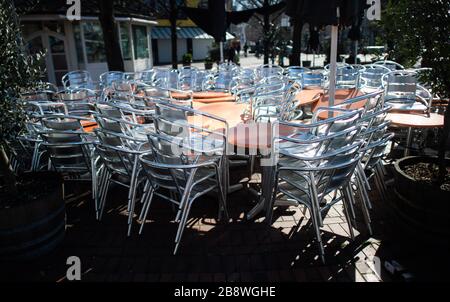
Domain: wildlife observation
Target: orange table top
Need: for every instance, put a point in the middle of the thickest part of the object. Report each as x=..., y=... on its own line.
x=232, y=112
x=228, y=98
x=309, y=96
x=210, y=94
x=256, y=135
x=89, y=126
x=416, y=120
x=340, y=96
x=201, y=95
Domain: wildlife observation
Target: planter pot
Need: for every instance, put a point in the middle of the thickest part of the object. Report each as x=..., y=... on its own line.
x=208, y=66
x=186, y=63
x=32, y=228
x=423, y=209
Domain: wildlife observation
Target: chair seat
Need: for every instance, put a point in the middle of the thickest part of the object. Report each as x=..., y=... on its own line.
x=407, y=106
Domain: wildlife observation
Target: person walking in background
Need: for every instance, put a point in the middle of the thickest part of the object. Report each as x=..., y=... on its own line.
x=245, y=49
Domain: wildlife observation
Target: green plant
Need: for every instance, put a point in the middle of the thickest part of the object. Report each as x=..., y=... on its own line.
x=187, y=58
x=419, y=30
x=18, y=72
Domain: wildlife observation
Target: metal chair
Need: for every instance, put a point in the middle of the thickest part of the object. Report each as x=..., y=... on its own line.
x=68, y=146
x=312, y=79
x=107, y=78
x=326, y=170
x=390, y=64
x=79, y=102
x=183, y=175
x=295, y=72
x=403, y=92
x=371, y=77
x=268, y=70
x=119, y=164
x=77, y=79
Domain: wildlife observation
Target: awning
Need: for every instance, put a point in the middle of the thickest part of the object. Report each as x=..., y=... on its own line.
x=163, y=32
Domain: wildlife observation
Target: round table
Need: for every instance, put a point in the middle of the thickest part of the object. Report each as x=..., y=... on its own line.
x=201, y=95
x=222, y=99
x=411, y=120
x=233, y=113
x=340, y=96
x=309, y=96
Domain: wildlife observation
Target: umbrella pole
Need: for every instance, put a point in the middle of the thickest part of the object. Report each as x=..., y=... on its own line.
x=356, y=52
x=221, y=52
x=333, y=57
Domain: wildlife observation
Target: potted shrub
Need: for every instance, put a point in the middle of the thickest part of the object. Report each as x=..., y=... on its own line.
x=422, y=184
x=208, y=63
x=32, y=212
x=187, y=59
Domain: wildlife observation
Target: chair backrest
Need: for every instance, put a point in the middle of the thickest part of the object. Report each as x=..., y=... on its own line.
x=316, y=137
x=77, y=79
x=118, y=159
x=332, y=167
x=268, y=70
x=107, y=78
x=312, y=79
x=64, y=141
x=161, y=165
x=198, y=130
x=390, y=64
x=400, y=86
x=347, y=77
x=79, y=102
x=295, y=72
x=371, y=77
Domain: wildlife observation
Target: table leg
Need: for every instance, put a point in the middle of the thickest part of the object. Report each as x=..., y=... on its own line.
x=408, y=142
x=264, y=199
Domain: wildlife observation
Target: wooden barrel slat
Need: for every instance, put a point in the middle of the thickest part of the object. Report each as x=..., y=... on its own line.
x=33, y=228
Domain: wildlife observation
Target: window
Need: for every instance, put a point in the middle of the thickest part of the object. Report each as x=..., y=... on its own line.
x=125, y=41
x=78, y=43
x=140, y=42
x=93, y=37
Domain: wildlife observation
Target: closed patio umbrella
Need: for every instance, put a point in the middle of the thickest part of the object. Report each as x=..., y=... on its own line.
x=215, y=20
x=329, y=12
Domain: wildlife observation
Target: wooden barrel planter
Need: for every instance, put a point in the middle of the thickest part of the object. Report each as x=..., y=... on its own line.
x=33, y=228
x=423, y=209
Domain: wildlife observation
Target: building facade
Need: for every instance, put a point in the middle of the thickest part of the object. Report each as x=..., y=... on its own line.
x=78, y=45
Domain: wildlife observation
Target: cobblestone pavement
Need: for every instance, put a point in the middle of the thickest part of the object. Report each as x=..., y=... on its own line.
x=216, y=251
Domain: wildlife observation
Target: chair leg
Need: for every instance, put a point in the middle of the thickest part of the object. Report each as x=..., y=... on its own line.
x=364, y=206
x=103, y=201
x=316, y=227
x=222, y=198
x=145, y=208
x=182, y=225
x=345, y=201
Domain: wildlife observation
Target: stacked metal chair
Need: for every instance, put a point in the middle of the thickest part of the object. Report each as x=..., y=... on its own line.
x=187, y=159
x=316, y=160
x=77, y=79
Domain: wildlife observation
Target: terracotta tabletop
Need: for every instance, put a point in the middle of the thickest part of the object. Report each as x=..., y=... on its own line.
x=256, y=135
x=309, y=96
x=228, y=98
x=416, y=120
x=232, y=112
x=340, y=96
x=201, y=95
x=88, y=126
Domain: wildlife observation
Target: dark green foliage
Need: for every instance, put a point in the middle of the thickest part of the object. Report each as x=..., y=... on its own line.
x=419, y=29
x=18, y=71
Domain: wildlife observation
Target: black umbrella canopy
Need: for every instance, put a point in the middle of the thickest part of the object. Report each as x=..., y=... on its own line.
x=325, y=12
x=215, y=20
